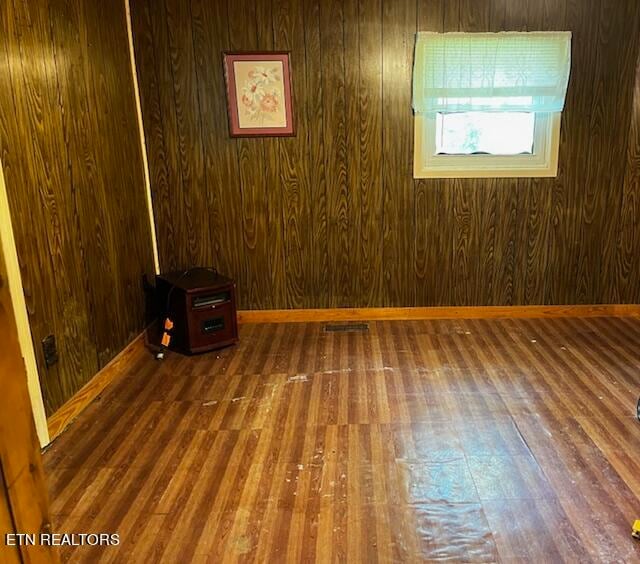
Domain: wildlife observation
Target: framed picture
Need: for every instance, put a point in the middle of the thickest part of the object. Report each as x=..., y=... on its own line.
x=259, y=96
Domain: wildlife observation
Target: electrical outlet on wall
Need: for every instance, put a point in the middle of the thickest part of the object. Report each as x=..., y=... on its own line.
x=50, y=350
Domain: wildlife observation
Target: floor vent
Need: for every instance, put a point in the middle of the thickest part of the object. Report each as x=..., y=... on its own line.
x=346, y=328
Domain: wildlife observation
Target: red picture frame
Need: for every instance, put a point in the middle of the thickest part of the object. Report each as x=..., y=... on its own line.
x=259, y=93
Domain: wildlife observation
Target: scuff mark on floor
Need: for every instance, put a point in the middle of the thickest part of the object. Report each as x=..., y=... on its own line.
x=298, y=378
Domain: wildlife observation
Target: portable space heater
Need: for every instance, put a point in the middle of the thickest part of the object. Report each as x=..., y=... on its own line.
x=200, y=309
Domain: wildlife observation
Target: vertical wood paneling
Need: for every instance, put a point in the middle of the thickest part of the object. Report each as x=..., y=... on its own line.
x=167, y=101
x=74, y=177
x=318, y=289
x=36, y=265
x=369, y=180
x=41, y=118
x=189, y=134
x=619, y=119
x=568, y=202
x=347, y=223
x=601, y=112
x=398, y=30
x=68, y=29
x=84, y=54
x=627, y=266
x=335, y=151
x=288, y=28
x=353, y=153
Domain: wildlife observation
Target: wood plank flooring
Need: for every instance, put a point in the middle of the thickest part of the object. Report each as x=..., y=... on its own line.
x=479, y=440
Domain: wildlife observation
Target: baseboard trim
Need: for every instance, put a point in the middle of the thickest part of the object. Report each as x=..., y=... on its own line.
x=408, y=313
x=61, y=419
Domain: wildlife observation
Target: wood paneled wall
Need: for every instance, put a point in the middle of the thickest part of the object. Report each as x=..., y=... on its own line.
x=333, y=216
x=72, y=162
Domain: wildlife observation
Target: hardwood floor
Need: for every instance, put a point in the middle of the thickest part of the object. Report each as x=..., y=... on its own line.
x=479, y=440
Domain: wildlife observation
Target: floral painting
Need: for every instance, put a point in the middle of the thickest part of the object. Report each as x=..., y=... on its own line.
x=259, y=93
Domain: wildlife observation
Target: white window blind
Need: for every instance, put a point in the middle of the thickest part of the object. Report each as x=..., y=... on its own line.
x=506, y=71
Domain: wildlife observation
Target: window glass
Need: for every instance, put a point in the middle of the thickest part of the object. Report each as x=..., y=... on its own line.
x=492, y=133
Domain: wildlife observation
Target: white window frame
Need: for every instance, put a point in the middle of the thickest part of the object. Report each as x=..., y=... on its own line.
x=543, y=162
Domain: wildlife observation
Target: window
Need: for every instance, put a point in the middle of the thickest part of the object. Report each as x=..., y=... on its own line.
x=489, y=104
